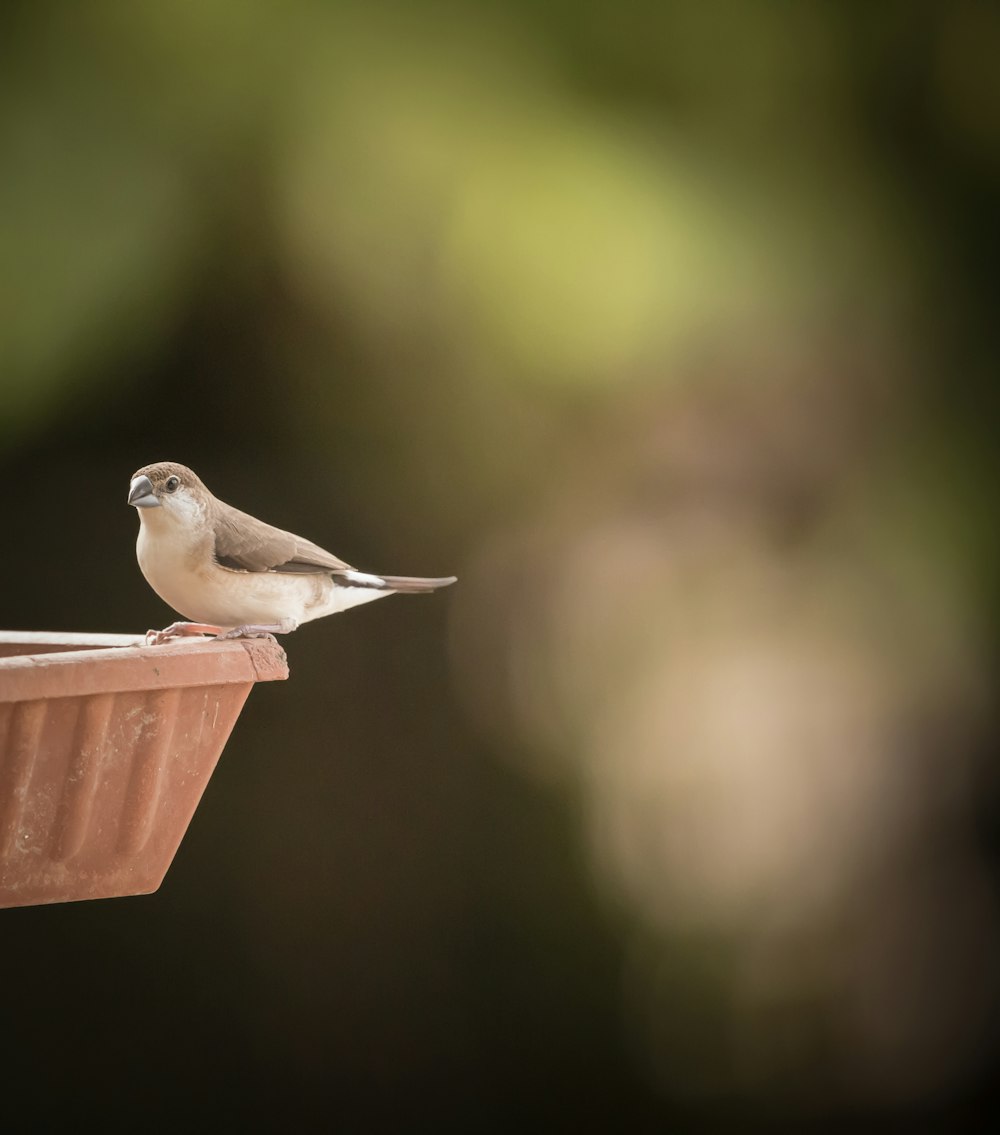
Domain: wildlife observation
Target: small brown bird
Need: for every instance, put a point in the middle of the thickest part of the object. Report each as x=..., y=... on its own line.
x=235, y=575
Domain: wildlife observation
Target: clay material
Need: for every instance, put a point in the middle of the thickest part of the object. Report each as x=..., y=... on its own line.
x=106, y=746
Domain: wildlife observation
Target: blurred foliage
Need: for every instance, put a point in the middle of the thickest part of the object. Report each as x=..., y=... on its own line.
x=669, y=327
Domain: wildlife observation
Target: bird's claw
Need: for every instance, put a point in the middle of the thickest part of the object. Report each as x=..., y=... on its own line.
x=220, y=634
x=178, y=630
x=259, y=630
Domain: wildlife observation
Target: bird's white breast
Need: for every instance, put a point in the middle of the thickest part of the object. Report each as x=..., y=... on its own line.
x=181, y=569
x=176, y=554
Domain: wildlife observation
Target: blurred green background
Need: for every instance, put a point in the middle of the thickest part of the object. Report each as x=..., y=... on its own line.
x=670, y=328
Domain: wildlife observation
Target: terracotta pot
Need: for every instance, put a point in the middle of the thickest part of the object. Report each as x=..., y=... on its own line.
x=106, y=746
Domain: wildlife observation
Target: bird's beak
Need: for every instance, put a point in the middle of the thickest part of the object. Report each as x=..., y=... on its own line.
x=140, y=493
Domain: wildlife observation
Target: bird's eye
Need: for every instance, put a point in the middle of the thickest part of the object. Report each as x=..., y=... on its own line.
x=172, y=484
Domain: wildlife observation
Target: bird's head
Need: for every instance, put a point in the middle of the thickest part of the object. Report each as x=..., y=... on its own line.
x=167, y=486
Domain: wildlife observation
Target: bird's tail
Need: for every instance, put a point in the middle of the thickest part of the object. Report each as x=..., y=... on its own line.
x=405, y=584
x=415, y=584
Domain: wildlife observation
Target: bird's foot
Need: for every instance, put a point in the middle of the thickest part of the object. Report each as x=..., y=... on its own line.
x=177, y=630
x=258, y=630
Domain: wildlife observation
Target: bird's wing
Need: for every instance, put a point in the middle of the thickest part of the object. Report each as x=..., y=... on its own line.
x=244, y=543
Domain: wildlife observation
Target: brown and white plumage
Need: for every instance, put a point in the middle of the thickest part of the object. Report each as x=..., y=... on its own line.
x=233, y=574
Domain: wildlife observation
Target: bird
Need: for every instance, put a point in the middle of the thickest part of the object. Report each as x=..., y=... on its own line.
x=231, y=575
